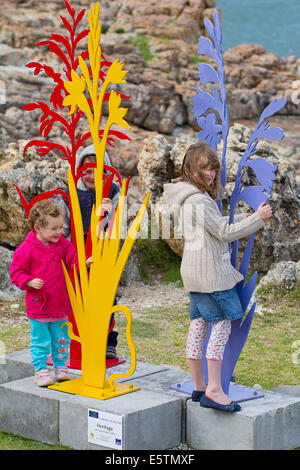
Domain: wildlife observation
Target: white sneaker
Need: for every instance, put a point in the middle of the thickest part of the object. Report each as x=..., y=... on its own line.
x=61, y=374
x=42, y=378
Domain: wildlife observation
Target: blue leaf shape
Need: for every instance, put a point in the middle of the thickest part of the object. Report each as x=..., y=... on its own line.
x=207, y=73
x=204, y=101
x=210, y=130
x=244, y=265
x=264, y=171
x=205, y=47
x=210, y=29
x=270, y=133
x=246, y=291
x=218, y=29
x=253, y=196
x=271, y=109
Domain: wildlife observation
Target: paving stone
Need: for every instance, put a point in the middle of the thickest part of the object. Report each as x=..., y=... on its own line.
x=30, y=411
x=268, y=423
x=149, y=420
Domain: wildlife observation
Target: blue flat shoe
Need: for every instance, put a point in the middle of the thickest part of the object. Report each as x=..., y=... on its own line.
x=196, y=395
x=208, y=403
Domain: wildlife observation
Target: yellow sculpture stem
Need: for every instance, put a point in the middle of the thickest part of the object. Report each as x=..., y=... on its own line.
x=79, y=235
x=131, y=345
x=70, y=331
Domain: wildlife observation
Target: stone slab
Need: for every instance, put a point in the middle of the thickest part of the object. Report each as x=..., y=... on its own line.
x=30, y=411
x=268, y=423
x=161, y=382
x=17, y=365
x=149, y=420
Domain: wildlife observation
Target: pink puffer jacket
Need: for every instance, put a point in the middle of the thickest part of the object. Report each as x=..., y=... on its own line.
x=32, y=259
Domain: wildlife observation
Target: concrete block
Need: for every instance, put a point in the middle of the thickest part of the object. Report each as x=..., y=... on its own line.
x=293, y=390
x=268, y=423
x=149, y=420
x=16, y=365
x=30, y=411
x=161, y=382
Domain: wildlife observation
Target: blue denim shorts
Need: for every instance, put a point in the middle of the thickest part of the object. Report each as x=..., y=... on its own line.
x=216, y=306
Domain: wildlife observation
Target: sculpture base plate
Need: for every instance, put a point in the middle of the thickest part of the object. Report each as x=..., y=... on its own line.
x=78, y=387
x=236, y=392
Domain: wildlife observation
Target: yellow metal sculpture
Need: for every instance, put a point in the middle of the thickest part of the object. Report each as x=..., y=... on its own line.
x=92, y=296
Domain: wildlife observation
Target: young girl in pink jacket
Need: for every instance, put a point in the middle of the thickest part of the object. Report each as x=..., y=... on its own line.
x=36, y=268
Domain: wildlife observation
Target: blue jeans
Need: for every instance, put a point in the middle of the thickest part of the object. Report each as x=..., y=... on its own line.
x=216, y=306
x=46, y=338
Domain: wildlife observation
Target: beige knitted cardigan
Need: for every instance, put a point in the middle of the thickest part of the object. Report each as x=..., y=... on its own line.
x=206, y=265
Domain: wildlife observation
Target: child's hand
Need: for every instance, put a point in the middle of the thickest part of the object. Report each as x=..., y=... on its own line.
x=35, y=283
x=264, y=211
x=106, y=205
x=89, y=261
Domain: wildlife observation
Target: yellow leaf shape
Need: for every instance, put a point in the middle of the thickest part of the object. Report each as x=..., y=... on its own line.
x=116, y=73
x=116, y=113
x=76, y=88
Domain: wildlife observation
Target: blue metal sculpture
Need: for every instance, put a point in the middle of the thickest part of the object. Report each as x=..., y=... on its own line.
x=215, y=101
x=208, y=107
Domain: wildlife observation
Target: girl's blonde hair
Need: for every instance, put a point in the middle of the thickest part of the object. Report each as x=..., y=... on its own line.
x=40, y=211
x=197, y=157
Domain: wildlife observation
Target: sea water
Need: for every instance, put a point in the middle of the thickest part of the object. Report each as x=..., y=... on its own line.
x=275, y=24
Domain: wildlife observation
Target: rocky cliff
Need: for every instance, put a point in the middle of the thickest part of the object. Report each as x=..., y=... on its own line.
x=157, y=41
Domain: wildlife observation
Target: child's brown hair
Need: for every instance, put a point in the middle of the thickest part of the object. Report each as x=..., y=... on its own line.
x=40, y=211
x=197, y=157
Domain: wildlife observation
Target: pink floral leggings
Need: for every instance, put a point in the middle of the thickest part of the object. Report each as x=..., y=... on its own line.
x=218, y=338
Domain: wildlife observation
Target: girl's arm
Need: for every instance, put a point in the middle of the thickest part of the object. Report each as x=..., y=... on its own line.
x=237, y=217
x=19, y=268
x=220, y=228
x=70, y=254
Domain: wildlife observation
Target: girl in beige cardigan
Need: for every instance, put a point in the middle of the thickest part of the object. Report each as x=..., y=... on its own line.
x=206, y=269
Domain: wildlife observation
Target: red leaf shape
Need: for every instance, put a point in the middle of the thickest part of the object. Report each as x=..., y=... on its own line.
x=67, y=24
x=79, y=16
x=69, y=8
x=23, y=200
x=57, y=51
x=84, y=56
x=30, y=106
x=50, y=145
x=27, y=206
x=107, y=95
x=80, y=36
x=119, y=134
x=64, y=40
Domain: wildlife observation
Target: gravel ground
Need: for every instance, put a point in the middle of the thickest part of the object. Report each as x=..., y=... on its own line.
x=136, y=296
x=139, y=296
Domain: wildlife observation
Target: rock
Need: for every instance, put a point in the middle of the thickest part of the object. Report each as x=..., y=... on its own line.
x=160, y=162
x=33, y=175
x=285, y=275
x=7, y=290
x=158, y=43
